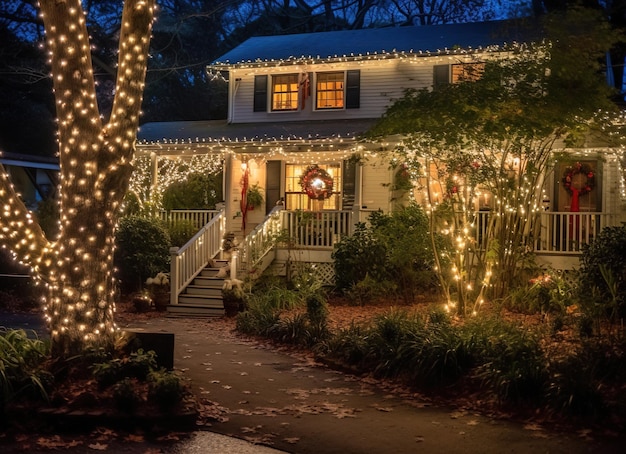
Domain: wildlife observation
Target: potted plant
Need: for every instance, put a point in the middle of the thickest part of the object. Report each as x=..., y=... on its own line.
x=159, y=287
x=254, y=197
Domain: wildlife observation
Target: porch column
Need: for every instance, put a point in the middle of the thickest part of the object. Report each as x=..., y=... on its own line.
x=358, y=197
x=154, y=173
x=227, y=183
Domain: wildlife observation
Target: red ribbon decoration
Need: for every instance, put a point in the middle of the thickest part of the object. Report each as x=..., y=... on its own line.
x=243, y=203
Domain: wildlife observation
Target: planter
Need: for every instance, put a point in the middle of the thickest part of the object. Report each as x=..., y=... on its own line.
x=161, y=300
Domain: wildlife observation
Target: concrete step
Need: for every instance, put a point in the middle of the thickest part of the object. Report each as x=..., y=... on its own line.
x=200, y=300
x=185, y=310
x=203, y=290
x=209, y=282
x=211, y=271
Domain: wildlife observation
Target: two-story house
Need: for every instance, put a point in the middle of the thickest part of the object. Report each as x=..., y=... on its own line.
x=297, y=105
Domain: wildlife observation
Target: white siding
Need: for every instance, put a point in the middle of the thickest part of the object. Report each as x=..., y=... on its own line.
x=382, y=82
x=376, y=178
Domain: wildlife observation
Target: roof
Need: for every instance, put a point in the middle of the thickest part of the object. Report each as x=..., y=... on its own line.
x=215, y=131
x=30, y=161
x=392, y=41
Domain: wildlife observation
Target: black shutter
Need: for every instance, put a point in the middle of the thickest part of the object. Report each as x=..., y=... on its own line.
x=272, y=184
x=441, y=75
x=353, y=89
x=348, y=191
x=260, y=93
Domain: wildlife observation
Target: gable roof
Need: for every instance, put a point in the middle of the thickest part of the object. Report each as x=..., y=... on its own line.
x=390, y=41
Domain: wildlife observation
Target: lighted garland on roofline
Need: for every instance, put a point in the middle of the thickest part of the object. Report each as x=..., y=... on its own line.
x=316, y=183
x=579, y=169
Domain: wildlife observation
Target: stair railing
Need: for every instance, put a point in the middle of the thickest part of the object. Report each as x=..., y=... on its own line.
x=189, y=260
x=260, y=242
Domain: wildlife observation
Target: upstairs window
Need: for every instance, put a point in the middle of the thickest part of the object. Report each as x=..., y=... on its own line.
x=285, y=92
x=467, y=72
x=329, y=90
x=460, y=72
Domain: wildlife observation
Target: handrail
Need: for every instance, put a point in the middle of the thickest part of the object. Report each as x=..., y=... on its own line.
x=261, y=240
x=188, y=261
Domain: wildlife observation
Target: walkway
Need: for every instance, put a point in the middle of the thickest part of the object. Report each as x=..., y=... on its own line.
x=294, y=405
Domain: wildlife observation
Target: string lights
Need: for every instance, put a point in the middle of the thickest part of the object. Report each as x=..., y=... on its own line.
x=95, y=166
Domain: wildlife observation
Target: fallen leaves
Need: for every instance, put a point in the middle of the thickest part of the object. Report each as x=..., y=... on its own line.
x=98, y=446
x=56, y=442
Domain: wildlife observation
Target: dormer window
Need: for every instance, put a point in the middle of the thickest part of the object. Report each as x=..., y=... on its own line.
x=285, y=92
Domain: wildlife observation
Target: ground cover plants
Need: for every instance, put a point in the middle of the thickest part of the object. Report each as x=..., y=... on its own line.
x=554, y=348
x=98, y=387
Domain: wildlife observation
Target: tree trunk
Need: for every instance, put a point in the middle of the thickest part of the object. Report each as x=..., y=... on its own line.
x=95, y=163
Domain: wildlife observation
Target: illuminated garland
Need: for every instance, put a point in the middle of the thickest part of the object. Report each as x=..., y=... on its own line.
x=317, y=183
x=576, y=169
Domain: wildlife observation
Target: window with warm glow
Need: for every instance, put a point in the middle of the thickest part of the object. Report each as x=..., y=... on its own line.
x=295, y=197
x=285, y=92
x=329, y=90
x=467, y=72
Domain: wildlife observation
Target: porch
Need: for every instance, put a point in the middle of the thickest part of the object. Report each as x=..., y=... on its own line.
x=287, y=239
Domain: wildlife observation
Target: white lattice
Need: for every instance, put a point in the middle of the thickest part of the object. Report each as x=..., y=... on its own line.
x=325, y=272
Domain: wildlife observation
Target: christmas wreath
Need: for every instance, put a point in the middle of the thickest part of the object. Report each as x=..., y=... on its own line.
x=579, y=169
x=317, y=183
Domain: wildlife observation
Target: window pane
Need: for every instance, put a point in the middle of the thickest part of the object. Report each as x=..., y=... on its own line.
x=285, y=92
x=329, y=90
x=295, y=197
x=467, y=72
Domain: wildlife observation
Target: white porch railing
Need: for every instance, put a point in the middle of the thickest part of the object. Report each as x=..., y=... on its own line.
x=317, y=229
x=189, y=260
x=302, y=229
x=566, y=232
x=559, y=233
x=198, y=218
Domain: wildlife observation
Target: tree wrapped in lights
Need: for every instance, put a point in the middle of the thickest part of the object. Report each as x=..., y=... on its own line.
x=95, y=160
x=489, y=143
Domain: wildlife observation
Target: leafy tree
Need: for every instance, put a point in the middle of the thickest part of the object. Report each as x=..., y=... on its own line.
x=198, y=191
x=496, y=132
x=95, y=158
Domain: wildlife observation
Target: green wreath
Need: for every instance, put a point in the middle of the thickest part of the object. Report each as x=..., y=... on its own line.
x=316, y=183
x=579, y=169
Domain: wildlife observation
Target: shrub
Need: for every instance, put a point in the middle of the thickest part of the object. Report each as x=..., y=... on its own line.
x=603, y=266
x=509, y=359
x=549, y=292
x=180, y=232
x=394, y=252
x=136, y=365
x=125, y=396
x=142, y=250
x=165, y=389
x=409, y=255
x=22, y=370
x=357, y=256
x=257, y=320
